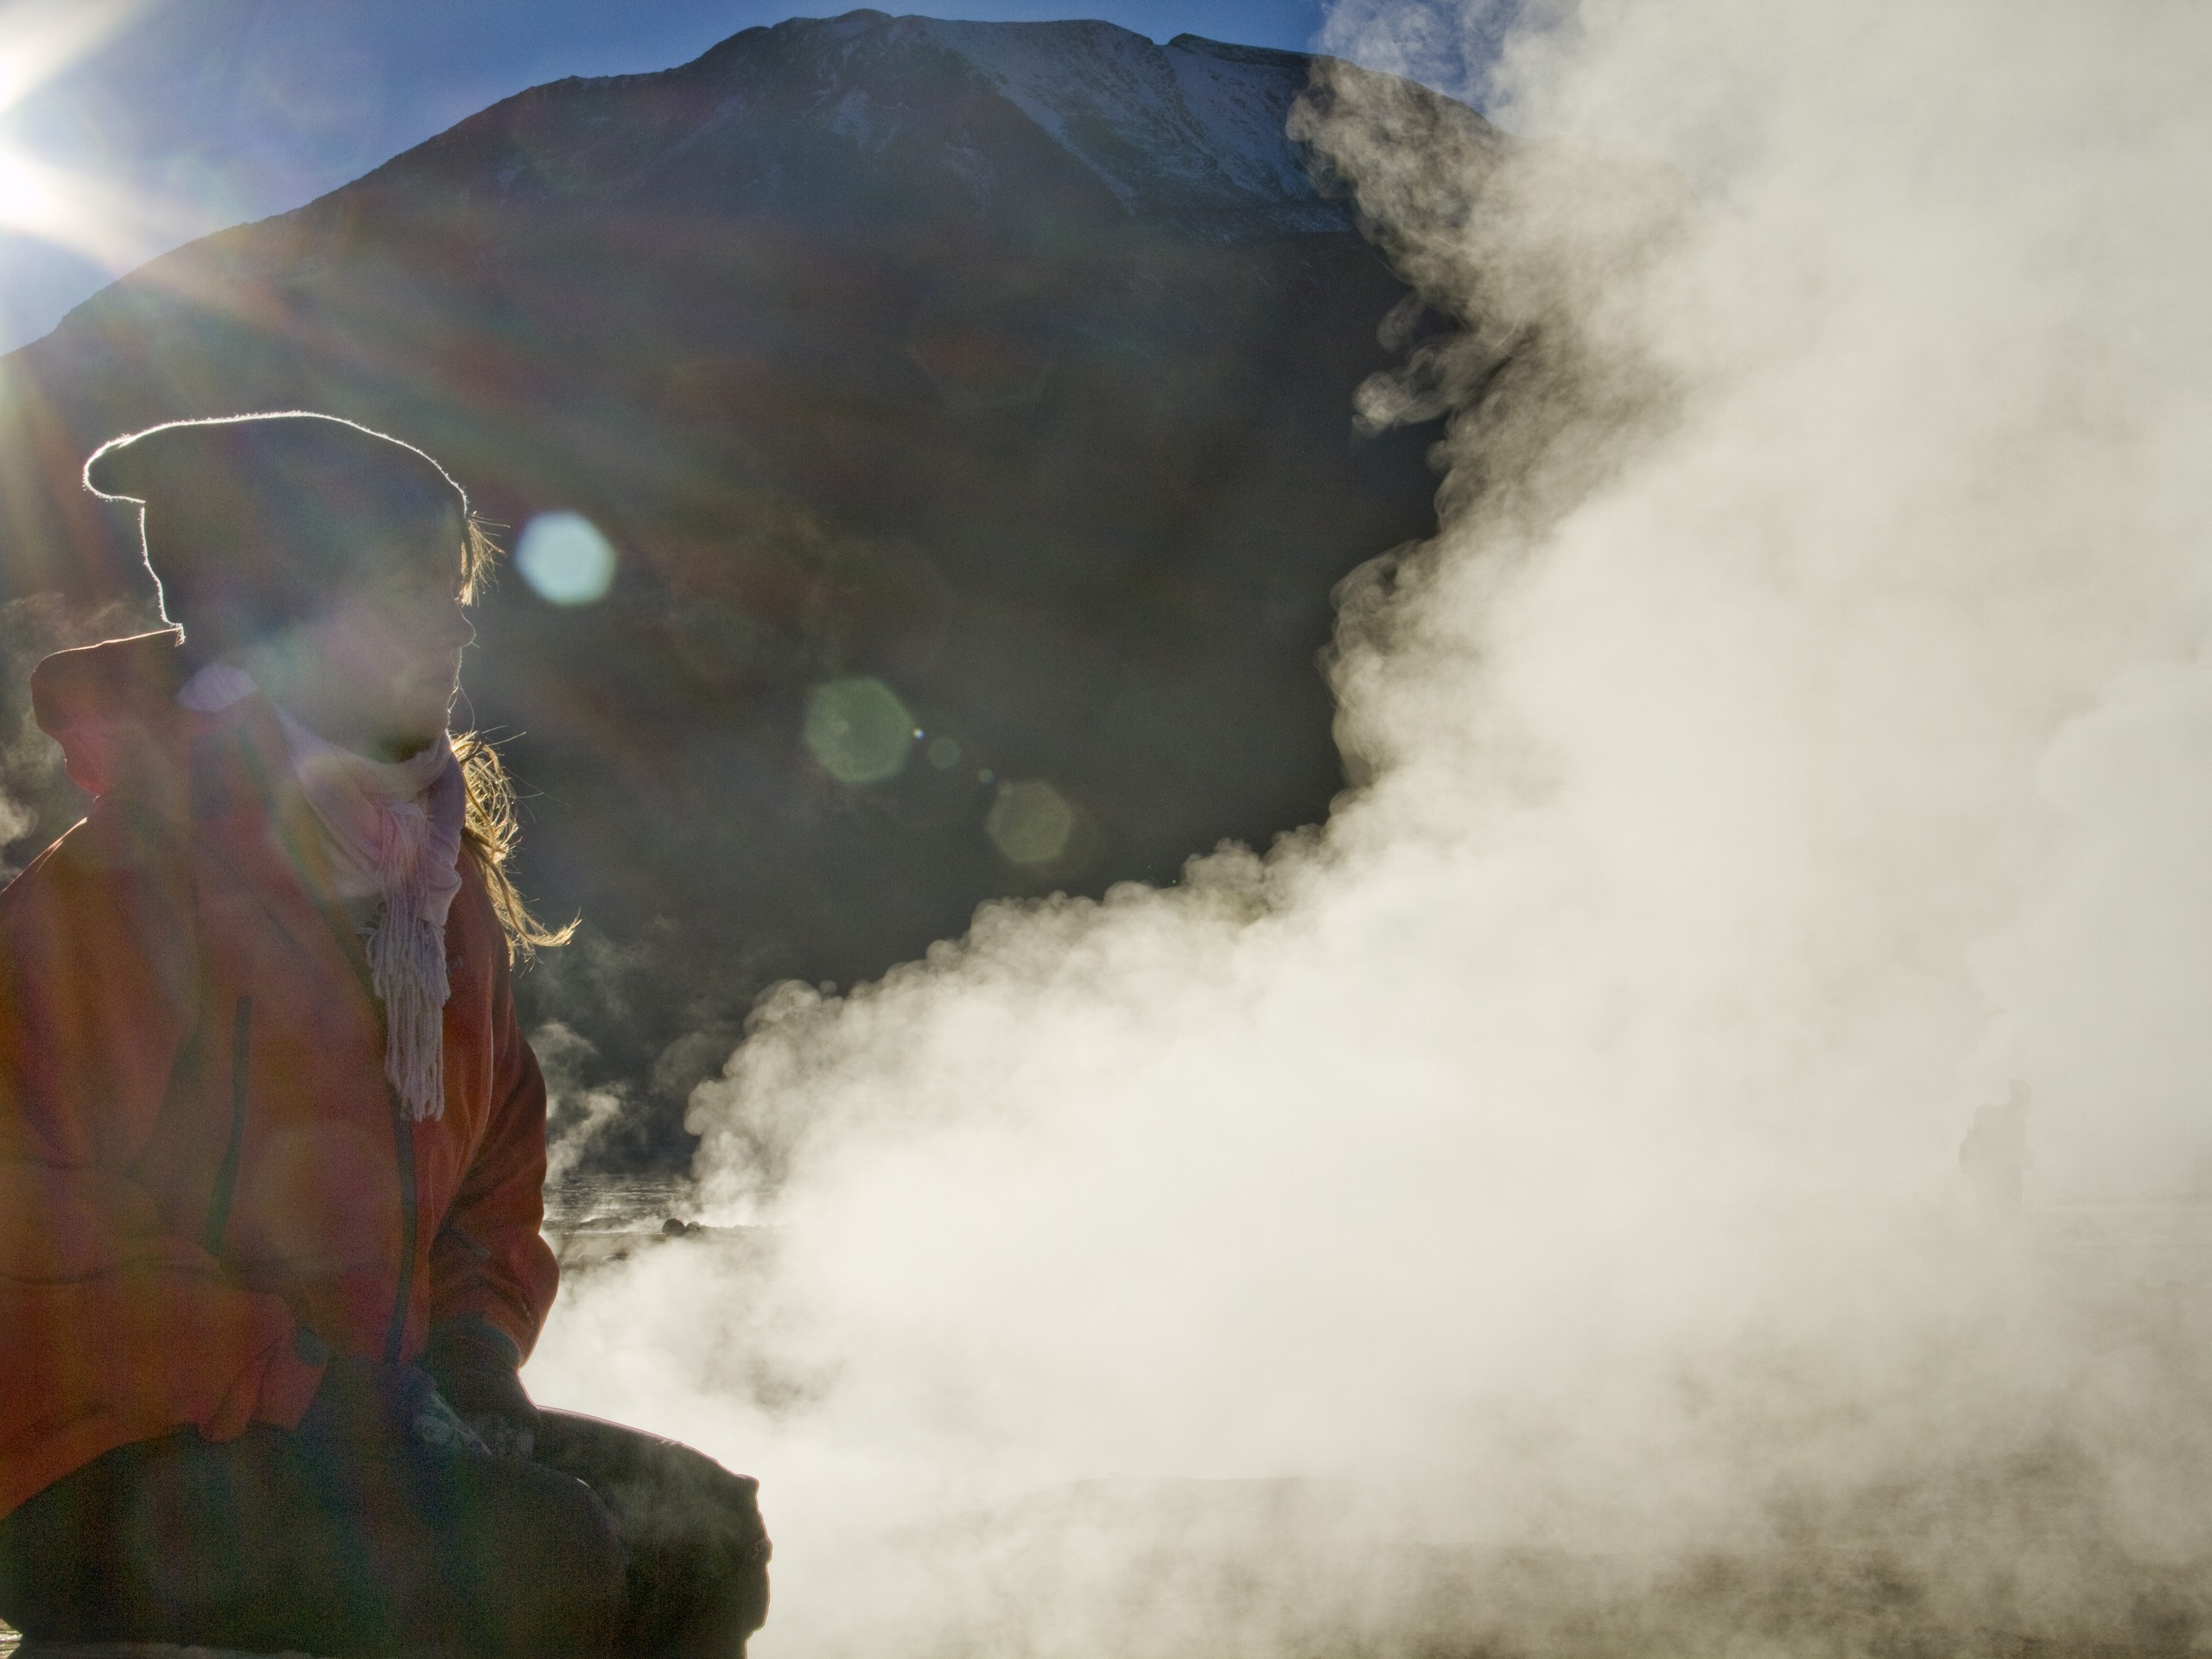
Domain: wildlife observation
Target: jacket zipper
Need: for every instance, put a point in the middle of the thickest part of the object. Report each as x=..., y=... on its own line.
x=402, y=1130
x=410, y=1225
x=226, y=1176
x=226, y=1173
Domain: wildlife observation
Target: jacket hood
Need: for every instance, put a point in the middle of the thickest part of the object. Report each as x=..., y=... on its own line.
x=112, y=707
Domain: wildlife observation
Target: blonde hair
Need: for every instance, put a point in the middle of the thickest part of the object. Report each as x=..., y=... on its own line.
x=489, y=829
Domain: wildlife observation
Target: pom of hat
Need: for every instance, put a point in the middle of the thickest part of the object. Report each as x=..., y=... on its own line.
x=107, y=475
x=116, y=471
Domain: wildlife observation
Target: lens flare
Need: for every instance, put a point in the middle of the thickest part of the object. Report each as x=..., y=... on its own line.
x=1030, y=822
x=565, y=559
x=858, y=730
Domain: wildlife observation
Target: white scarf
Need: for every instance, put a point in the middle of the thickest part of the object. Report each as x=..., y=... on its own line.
x=391, y=831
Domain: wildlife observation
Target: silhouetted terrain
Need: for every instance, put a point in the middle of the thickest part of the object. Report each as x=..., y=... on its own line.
x=1007, y=365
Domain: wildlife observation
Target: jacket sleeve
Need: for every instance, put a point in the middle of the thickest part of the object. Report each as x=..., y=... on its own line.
x=116, y=1328
x=490, y=1257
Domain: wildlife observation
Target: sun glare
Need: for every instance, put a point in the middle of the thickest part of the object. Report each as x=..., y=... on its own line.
x=39, y=40
x=28, y=198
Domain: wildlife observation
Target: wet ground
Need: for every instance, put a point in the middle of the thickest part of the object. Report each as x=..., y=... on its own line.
x=595, y=1220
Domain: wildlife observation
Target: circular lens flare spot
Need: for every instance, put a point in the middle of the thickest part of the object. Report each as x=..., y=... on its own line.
x=944, y=752
x=565, y=559
x=858, y=730
x=1030, y=823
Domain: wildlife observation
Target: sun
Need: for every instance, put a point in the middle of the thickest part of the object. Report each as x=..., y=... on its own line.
x=30, y=198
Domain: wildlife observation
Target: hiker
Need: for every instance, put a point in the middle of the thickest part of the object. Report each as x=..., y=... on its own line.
x=272, y=1145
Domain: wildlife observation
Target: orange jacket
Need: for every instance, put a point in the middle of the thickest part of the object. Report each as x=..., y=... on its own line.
x=199, y=1156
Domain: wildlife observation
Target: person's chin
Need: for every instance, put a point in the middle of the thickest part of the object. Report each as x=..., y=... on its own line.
x=412, y=736
x=428, y=710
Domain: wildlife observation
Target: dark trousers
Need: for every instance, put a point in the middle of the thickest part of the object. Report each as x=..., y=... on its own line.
x=605, y=1542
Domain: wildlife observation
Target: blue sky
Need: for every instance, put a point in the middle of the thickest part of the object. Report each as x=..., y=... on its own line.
x=128, y=126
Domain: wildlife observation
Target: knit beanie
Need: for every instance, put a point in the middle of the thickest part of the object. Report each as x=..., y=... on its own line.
x=249, y=523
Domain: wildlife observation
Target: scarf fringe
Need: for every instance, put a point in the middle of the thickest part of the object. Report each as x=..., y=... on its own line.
x=394, y=831
x=407, y=965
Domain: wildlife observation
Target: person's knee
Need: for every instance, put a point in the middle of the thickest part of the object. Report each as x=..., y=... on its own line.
x=549, y=1567
x=590, y=1561
x=698, y=1578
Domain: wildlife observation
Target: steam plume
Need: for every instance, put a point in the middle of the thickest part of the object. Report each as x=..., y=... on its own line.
x=1539, y=1186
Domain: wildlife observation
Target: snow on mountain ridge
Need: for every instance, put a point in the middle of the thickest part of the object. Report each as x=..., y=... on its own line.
x=1193, y=132
x=1133, y=111
x=1243, y=104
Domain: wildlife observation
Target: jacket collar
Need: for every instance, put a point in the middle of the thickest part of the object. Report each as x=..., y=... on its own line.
x=223, y=779
x=112, y=707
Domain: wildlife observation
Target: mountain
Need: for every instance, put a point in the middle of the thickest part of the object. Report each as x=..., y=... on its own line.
x=993, y=376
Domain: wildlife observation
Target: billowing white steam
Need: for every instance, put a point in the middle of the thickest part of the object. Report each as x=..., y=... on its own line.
x=1798, y=733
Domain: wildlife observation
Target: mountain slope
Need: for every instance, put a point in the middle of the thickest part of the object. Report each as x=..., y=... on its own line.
x=1007, y=366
